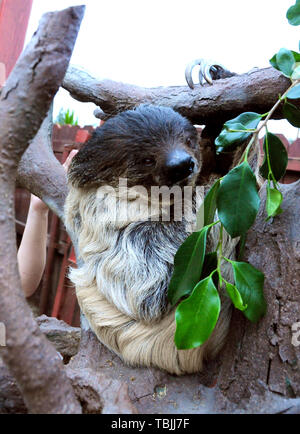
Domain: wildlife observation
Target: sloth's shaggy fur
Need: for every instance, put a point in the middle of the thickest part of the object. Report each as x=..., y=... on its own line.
x=127, y=262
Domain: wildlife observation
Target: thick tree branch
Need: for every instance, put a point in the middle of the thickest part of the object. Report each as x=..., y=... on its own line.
x=24, y=103
x=260, y=368
x=256, y=90
x=41, y=173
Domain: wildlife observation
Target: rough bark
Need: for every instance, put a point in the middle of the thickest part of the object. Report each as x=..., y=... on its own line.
x=11, y=401
x=66, y=339
x=256, y=90
x=96, y=391
x=40, y=172
x=24, y=103
x=260, y=363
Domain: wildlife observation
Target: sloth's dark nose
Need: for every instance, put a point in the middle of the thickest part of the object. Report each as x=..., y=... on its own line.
x=179, y=165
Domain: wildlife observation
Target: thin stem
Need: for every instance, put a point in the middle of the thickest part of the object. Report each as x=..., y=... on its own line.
x=250, y=130
x=246, y=151
x=264, y=123
x=219, y=250
x=276, y=105
x=213, y=224
x=265, y=114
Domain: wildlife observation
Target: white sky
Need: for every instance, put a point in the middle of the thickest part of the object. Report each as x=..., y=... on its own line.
x=149, y=42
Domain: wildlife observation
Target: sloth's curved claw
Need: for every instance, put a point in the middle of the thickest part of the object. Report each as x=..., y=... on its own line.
x=205, y=73
x=208, y=72
x=188, y=72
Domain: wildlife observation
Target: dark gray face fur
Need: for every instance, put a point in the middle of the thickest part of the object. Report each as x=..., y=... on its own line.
x=150, y=146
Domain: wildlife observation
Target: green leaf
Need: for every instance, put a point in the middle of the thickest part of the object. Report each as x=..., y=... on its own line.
x=210, y=204
x=285, y=61
x=238, y=200
x=235, y=127
x=196, y=316
x=291, y=63
x=294, y=93
x=66, y=117
x=277, y=155
x=292, y=114
x=188, y=263
x=248, y=120
x=235, y=296
x=274, y=62
x=274, y=200
x=245, y=121
x=226, y=138
x=296, y=56
x=293, y=14
x=250, y=282
x=296, y=73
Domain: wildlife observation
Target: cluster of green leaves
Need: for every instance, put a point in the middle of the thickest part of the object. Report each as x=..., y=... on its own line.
x=288, y=62
x=66, y=117
x=198, y=274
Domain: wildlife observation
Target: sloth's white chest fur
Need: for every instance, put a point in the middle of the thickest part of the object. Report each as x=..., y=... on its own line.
x=130, y=261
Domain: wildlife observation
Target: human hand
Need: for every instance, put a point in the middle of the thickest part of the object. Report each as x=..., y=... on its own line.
x=69, y=158
x=37, y=205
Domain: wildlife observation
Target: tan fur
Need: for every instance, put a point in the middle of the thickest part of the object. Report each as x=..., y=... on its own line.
x=111, y=305
x=150, y=345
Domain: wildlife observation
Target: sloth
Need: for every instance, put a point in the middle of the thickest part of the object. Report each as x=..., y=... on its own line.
x=126, y=253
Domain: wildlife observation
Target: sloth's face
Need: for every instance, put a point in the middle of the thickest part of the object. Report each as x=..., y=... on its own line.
x=149, y=146
x=172, y=161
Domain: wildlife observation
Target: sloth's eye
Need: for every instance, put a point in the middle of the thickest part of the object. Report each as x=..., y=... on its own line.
x=188, y=141
x=148, y=162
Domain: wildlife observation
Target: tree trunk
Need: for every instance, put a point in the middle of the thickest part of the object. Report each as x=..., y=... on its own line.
x=261, y=366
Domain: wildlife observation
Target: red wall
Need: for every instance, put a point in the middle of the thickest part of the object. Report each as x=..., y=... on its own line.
x=14, y=16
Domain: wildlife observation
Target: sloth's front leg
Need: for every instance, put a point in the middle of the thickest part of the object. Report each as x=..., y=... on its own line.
x=208, y=72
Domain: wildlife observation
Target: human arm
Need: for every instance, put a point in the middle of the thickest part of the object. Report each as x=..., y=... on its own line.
x=32, y=250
